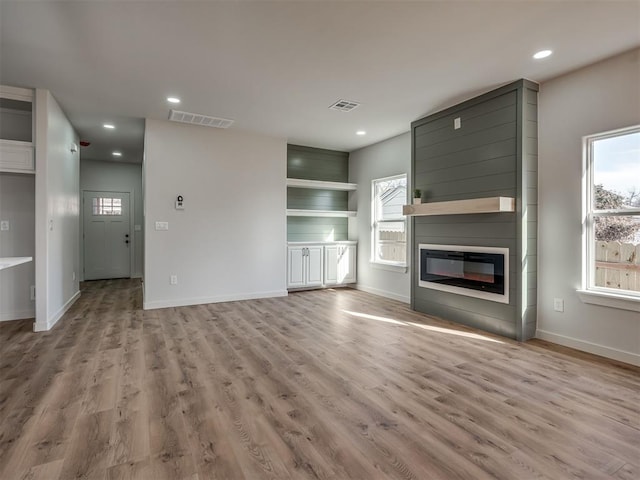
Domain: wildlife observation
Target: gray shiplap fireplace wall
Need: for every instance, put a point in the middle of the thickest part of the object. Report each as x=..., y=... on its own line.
x=494, y=153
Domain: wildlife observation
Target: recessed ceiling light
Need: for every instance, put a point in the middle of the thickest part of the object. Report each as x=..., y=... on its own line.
x=542, y=54
x=117, y=154
x=173, y=100
x=110, y=126
x=361, y=132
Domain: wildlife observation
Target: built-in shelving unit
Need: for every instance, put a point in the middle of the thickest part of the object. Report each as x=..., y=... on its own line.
x=16, y=130
x=320, y=185
x=461, y=207
x=292, y=212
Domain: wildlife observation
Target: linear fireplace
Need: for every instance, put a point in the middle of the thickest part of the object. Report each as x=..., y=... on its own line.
x=481, y=272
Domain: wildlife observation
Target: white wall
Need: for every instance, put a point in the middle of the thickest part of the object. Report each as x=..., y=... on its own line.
x=57, y=212
x=229, y=242
x=116, y=177
x=384, y=159
x=17, y=206
x=598, y=98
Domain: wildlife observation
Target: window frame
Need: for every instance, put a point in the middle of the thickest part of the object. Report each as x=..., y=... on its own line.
x=589, y=292
x=387, y=265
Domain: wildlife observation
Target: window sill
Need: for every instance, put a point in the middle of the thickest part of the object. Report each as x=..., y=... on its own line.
x=389, y=267
x=606, y=299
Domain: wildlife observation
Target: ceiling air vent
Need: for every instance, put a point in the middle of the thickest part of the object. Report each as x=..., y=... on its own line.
x=344, y=106
x=197, y=119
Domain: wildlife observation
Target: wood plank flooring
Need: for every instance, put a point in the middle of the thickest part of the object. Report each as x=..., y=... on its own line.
x=331, y=384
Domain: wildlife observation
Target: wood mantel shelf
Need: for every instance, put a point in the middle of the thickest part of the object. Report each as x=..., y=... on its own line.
x=460, y=207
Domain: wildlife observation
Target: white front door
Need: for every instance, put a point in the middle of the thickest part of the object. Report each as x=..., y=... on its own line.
x=107, y=236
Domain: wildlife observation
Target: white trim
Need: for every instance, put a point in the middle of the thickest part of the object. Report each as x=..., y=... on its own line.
x=217, y=299
x=494, y=297
x=39, y=327
x=389, y=267
x=382, y=293
x=19, y=315
x=596, y=349
x=606, y=299
x=374, y=223
x=588, y=213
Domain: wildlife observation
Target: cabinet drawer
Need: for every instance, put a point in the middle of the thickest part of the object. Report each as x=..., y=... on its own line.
x=16, y=156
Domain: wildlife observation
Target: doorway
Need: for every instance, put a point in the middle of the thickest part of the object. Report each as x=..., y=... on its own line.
x=107, y=239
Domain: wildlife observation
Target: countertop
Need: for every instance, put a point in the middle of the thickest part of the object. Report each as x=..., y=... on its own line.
x=8, y=262
x=338, y=242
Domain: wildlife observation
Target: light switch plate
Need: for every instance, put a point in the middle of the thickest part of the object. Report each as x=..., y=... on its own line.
x=162, y=225
x=558, y=304
x=4, y=225
x=457, y=123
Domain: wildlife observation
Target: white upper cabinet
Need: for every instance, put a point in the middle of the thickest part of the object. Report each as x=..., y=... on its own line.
x=16, y=130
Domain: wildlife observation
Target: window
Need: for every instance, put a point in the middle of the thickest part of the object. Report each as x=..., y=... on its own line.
x=612, y=207
x=389, y=226
x=107, y=206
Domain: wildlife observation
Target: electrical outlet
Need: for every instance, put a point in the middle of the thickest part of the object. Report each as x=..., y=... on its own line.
x=558, y=304
x=174, y=280
x=162, y=225
x=32, y=292
x=4, y=225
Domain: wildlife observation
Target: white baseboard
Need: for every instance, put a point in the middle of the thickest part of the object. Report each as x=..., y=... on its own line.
x=383, y=293
x=603, y=351
x=48, y=325
x=217, y=299
x=19, y=315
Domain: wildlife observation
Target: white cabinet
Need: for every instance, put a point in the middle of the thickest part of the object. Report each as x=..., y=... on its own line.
x=339, y=264
x=322, y=264
x=16, y=130
x=304, y=266
x=16, y=157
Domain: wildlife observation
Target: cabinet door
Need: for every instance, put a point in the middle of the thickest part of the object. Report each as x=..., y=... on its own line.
x=296, y=267
x=346, y=264
x=331, y=264
x=16, y=157
x=314, y=265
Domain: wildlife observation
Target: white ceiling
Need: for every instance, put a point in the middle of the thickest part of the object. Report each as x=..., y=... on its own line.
x=275, y=67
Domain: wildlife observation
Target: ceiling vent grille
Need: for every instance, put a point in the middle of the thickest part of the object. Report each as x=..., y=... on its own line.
x=197, y=119
x=344, y=106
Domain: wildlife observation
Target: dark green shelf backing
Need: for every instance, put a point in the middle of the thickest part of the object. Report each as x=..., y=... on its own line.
x=324, y=165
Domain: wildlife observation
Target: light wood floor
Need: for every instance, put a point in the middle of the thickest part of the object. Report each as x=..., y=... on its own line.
x=326, y=384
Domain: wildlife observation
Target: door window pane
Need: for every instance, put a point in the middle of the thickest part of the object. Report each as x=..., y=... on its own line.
x=107, y=206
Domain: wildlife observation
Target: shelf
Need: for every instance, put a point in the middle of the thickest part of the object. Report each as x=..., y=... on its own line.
x=461, y=207
x=320, y=185
x=319, y=213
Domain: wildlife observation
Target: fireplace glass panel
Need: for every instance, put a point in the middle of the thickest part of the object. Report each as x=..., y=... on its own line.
x=469, y=270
